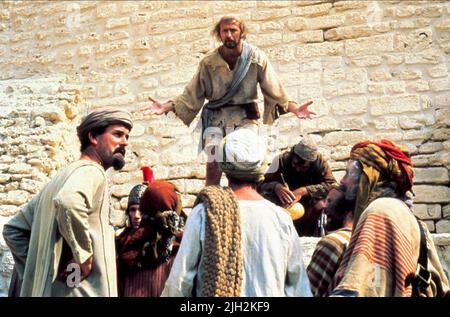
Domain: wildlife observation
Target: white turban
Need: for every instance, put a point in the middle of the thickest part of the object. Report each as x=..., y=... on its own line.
x=243, y=155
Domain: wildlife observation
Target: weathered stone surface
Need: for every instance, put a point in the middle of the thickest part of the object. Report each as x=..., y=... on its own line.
x=430, y=225
x=431, y=147
x=385, y=105
x=373, y=69
x=431, y=194
x=344, y=138
x=30, y=185
x=14, y=197
x=446, y=212
x=121, y=178
x=427, y=212
x=20, y=168
x=443, y=226
x=121, y=190
x=435, y=175
x=8, y=210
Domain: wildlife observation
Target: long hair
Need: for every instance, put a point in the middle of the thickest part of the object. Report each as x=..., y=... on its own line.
x=228, y=19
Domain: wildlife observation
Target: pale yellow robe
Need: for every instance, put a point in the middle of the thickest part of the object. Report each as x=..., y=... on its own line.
x=74, y=206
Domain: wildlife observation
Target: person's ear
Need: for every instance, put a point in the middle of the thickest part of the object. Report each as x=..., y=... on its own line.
x=92, y=139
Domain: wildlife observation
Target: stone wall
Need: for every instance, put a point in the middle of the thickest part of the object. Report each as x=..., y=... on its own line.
x=374, y=70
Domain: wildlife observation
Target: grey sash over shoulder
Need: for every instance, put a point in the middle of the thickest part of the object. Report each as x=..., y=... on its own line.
x=241, y=71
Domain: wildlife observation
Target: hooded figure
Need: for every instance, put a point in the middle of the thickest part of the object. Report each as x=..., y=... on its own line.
x=145, y=254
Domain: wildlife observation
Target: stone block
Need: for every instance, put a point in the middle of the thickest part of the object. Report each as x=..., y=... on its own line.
x=348, y=32
x=416, y=121
x=312, y=36
x=117, y=22
x=441, y=134
x=353, y=123
x=340, y=153
x=268, y=39
x=431, y=194
x=438, y=71
x=349, y=105
x=344, y=138
x=325, y=22
x=346, y=88
x=418, y=86
x=369, y=45
x=443, y=25
x=443, y=100
x=296, y=24
x=417, y=134
x=433, y=11
x=4, y=178
x=367, y=60
x=430, y=225
x=349, y=5
x=431, y=147
x=428, y=56
x=394, y=59
x=31, y=186
x=385, y=123
x=14, y=197
x=432, y=175
x=440, y=84
x=380, y=75
x=446, y=212
x=120, y=191
x=443, y=226
x=121, y=178
x=427, y=212
x=319, y=49
x=187, y=201
x=312, y=11
x=395, y=87
x=389, y=104
x=262, y=15
x=8, y=210
x=408, y=74
x=106, y=10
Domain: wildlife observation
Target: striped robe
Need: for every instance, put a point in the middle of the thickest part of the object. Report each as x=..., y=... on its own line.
x=326, y=259
x=147, y=282
x=382, y=256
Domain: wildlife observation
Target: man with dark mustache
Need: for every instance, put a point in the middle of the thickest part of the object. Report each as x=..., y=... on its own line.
x=62, y=241
x=329, y=250
x=228, y=77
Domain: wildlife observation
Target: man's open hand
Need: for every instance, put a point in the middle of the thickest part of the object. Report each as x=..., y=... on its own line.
x=157, y=108
x=302, y=112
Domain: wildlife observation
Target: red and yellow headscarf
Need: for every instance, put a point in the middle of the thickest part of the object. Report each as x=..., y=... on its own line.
x=384, y=164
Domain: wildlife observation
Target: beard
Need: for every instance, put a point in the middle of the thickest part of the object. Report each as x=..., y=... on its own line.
x=230, y=44
x=118, y=158
x=118, y=162
x=337, y=212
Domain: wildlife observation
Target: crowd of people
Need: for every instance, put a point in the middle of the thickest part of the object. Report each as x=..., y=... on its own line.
x=238, y=240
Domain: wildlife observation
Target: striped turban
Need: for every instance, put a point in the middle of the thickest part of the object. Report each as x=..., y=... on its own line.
x=387, y=171
x=101, y=118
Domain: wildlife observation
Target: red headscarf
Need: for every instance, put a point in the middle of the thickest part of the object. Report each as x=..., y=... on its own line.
x=388, y=158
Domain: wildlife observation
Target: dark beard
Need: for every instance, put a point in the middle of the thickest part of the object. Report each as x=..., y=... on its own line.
x=230, y=44
x=118, y=162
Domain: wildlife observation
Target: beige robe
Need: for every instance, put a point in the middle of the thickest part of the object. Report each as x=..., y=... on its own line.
x=72, y=210
x=213, y=78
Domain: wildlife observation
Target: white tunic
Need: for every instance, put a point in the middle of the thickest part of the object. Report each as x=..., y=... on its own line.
x=271, y=249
